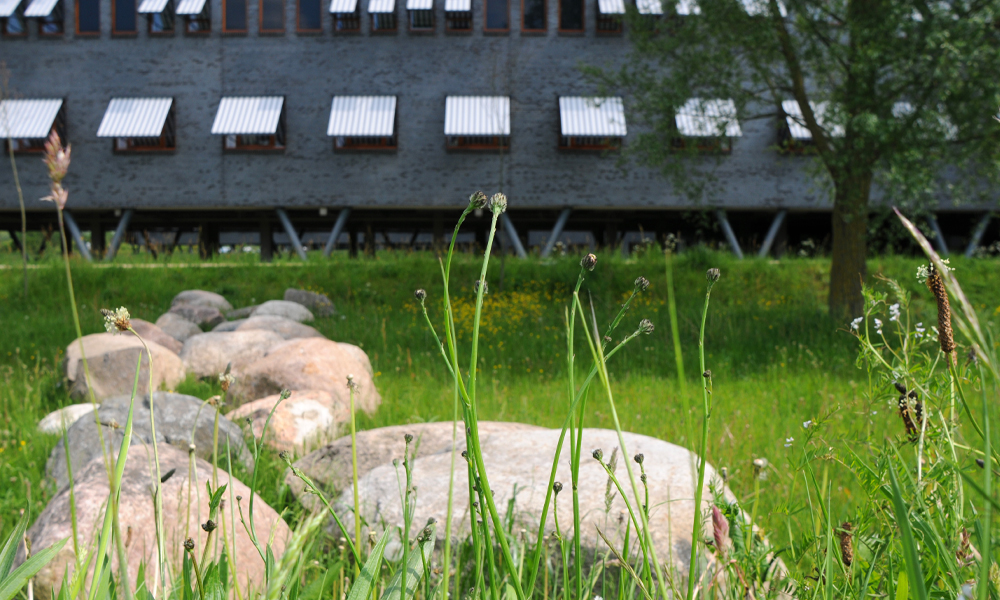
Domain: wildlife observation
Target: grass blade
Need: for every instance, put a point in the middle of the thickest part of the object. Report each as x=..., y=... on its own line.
x=913, y=570
x=13, y=583
x=414, y=571
x=362, y=587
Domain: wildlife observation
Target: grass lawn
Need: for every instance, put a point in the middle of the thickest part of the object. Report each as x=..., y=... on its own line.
x=777, y=359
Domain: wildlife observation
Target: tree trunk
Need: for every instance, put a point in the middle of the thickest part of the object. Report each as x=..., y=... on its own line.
x=850, y=244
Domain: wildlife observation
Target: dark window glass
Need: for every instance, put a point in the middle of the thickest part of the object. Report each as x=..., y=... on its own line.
x=310, y=15
x=272, y=15
x=162, y=22
x=88, y=16
x=497, y=15
x=235, y=15
x=534, y=15
x=571, y=15
x=14, y=25
x=125, y=16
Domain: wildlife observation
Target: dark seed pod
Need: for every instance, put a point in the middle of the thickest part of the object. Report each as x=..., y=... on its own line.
x=420, y=294
x=189, y=544
x=641, y=284
x=557, y=487
x=408, y=438
x=208, y=526
x=589, y=262
x=713, y=275
x=598, y=454
x=639, y=458
x=846, y=544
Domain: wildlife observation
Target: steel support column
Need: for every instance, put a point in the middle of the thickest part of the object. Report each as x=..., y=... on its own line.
x=977, y=234
x=938, y=236
x=772, y=233
x=728, y=230
x=556, y=231
x=293, y=237
x=508, y=226
x=338, y=227
x=74, y=231
x=119, y=236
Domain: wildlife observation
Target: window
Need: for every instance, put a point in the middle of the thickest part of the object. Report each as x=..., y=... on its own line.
x=347, y=22
x=497, y=16
x=383, y=15
x=14, y=26
x=123, y=17
x=252, y=142
x=533, y=16
x=166, y=141
x=422, y=20
x=36, y=145
x=162, y=23
x=478, y=142
x=200, y=23
x=364, y=143
x=458, y=21
x=310, y=16
x=609, y=16
x=234, y=16
x=583, y=142
x=272, y=16
x=88, y=18
x=571, y=16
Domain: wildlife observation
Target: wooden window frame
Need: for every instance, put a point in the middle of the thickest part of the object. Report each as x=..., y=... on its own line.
x=38, y=144
x=114, y=20
x=602, y=21
x=246, y=19
x=167, y=10
x=486, y=19
x=370, y=143
x=475, y=143
x=545, y=19
x=191, y=19
x=276, y=141
x=450, y=18
x=260, y=18
x=298, y=18
x=19, y=15
x=76, y=18
x=372, y=18
x=421, y=30
x=166, y=142
x=589, y=143
x=354, y=17
x=583, y=19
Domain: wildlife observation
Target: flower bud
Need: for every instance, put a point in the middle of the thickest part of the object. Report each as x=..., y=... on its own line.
x=477, y=200
x=646, y=326
x=589, y=262
x=713, y=275
x=209, y=526
x=557, y=487
x=598, y=454
x=720, y=529
x=641, y=284
x=498, y=203
x=189, y=544
x=408, y=438
x=639, y=458
x=420, y=294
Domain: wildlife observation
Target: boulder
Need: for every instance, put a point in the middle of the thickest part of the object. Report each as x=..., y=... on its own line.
x=55, y=422
x=319, y=304
x=177, y=417
x=306, y=364
x=112, y=359
x=286, y=328
x=330, y=466
x=360, y=355
x=208, y=316
x=283, y=308
x=202, y=298
x=177, y=326
x=151, y=333
x=185, y=507
x=241, y=313
x=304, y=420
x=228, y=326
x=207, y=354
x=521, y=460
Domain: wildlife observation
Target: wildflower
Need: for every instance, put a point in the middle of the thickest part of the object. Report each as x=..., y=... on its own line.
x=351, y=384
x=788, y=442
x=760, y=468
x=806, y=424
x=58, y=195
x=846, y=544
x=56, y=157
x=226, y=380
x=641, y=284
x=856, y=323
x=189, y=544
x=945, y=336
x=557, y=487
x=486, y=287
x=894, y=312
x=408, y=437
x=498, y=203
x=477, y=200
x=920, y=330
x=878, y=326
x=116, y=321
x=713, y=275
x=589, y=262
x=720, y=529
x=639, y=458
x=924, y=272
x=209, y=526
x=420, y=294
x=646, y=326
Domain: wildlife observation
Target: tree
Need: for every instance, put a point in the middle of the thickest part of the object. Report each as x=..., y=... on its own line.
x=895, y=93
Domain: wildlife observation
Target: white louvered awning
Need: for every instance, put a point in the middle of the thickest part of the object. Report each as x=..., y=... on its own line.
x=248, y=115
x=797, y=124
x=688, y=7
x=419, y=4
x=354, y=116
x=649, y=7
x=30, y=119
x=152, y=7
x=190, y=7
x=708, y=118
x=902, y=110
x=457, y=5
x=761, y=8
x=611, y=7
x=135, y=117
x=7, y=7
x=343, y=6
x=477, y=115
x=604, y=117
x=40, y=8
x=381, y=6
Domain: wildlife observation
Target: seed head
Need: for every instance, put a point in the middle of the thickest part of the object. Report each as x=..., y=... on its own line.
x=226, y=380
x=643, y=478
x=713, y=275
x=588, y=262
x=56, y=157
x=116, y=321
x=420, y=294
x=946, y=337
x=720, y=529
x=498, y=203
x=486, y=287
x=477, y=200
x=707, y=374
x=189, y=544
x=351, y=384
x=639, y=458
x=557, y=487
x=598, y=454
x=209, y=526
x=641, y=284
x=408, y=438
x=646, y=326
x=284, y=456
x=760, y=468
x=846, y=544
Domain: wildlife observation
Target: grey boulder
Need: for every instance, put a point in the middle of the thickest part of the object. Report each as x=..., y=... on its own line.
x=207, y=354
x=151, y=333
x=320, y=304
x=112, y=359
x=241, y=313
x=177, y=326
x=208, y=316
x=286, y=328
x=181, y=420
x=202, y=298
x=283, y=308
x=56, y=421
x=228, y=326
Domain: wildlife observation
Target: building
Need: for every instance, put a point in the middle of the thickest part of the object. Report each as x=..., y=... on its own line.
x=266, y=116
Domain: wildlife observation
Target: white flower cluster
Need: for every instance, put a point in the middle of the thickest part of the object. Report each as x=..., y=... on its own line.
x=878, y=326
x=788, y=442
x=116, y=321
x=856, y=323
x=894, y=312
x=924, y=271
x=920, y=329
